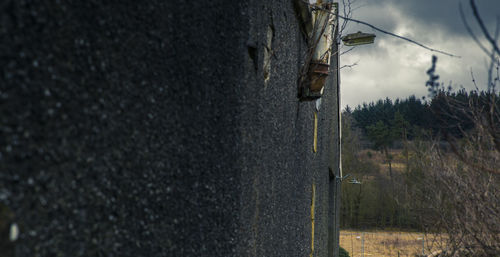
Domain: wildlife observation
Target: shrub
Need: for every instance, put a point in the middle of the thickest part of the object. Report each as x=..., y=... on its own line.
x=343, y=252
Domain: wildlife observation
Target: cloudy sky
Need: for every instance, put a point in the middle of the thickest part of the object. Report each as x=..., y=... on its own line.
x=397, y=69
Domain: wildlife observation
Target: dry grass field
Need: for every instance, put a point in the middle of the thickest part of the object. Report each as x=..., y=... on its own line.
x=398, y=161
x=384, y=243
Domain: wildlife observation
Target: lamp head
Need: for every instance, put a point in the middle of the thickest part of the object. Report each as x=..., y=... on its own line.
x=359, y=38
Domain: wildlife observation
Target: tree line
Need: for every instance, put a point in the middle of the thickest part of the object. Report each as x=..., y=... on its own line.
x=412, y=115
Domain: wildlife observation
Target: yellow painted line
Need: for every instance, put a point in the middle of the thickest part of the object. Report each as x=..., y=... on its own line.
x=313, y=200
x=315, y=144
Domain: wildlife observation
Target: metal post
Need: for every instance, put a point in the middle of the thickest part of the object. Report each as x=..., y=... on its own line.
x=334, y=155
x=352, y=247
x=363, y=244
x=336, y=67
x=423, y=244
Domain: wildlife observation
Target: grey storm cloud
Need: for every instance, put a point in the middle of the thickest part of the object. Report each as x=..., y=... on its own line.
x=395, y=68
x=443, y=13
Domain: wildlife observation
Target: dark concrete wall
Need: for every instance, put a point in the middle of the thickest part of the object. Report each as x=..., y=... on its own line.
x=278, y=165
x=146, y=129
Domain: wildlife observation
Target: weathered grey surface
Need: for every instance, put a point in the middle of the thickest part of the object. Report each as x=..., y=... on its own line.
x=146, y=129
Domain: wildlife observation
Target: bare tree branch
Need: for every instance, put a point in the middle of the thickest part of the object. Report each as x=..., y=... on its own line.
x=491, y=83
x=483, y=28
x=398, y=36
x=347, y=11
x=464, y=20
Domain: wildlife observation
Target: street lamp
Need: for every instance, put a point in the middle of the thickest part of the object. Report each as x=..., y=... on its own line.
x=334, y=195
x=349, y=40
x=359, y=38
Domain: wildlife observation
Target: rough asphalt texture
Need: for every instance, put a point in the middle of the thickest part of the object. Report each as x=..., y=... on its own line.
x=146, y=129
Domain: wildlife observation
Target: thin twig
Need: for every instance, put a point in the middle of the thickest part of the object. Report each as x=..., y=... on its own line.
x=473, y=79
x=348, y=65
x=347, y=51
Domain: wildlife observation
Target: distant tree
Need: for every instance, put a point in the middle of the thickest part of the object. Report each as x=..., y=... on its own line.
x=348, y=109
x=400, y=131
x=400, y=126
x=382, y=137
